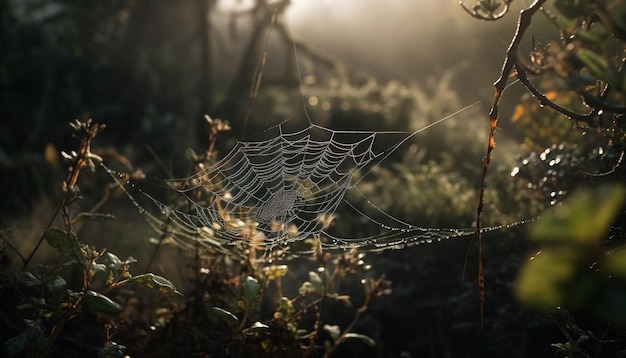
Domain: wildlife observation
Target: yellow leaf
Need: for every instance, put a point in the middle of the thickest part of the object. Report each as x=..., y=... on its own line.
x=551, y=95
x=518, y=113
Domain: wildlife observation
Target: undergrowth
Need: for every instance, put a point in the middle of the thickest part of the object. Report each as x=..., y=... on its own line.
x=236, y=305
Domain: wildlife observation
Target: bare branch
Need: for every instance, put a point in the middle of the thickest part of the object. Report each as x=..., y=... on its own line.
x=543, y=100
x=507, y=68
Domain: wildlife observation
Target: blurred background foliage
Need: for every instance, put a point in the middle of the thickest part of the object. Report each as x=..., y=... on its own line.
x=150, y=70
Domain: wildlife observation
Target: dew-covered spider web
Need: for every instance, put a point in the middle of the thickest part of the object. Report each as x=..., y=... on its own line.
x=286, y=187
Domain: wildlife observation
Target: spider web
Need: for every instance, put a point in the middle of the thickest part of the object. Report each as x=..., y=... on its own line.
x=272, y=193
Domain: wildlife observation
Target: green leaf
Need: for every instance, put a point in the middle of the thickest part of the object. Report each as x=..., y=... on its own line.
x=285, y=307
x=306, y=288
x=251, y=290
x=257, y=327
x=66, y=245
x=112, y=350
x=156, y=282
x=28, y=279
x=99, y=268
x=582, y=220
x=541, y=279
x=93, y=216
x=333, y=330
x=26, y=344
x=38, y=303
x=112, y=261
x=598, y=65
x=361, y=337
x=56, y=291
x=595, y=36
x=97, y=302
x=230, y=318
x=275, y=271
x=316, y=281
x=615, y=262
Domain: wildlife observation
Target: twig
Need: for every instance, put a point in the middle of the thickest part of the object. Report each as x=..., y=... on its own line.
x=259, y=74
x=523, y=23
x=543, y=100
x=43, y=236
x=3, y=237
x=492, y=15
x=612, y=170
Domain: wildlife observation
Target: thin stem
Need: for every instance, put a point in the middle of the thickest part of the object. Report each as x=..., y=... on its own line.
x=355, y=319
x=43, y=236
x=507, y=67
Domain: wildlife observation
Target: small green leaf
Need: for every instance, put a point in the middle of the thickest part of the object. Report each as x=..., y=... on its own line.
x=38, y=303
x=28, y=279
x=593, y=36
x=112, y=350
x=361, y=337
x=56, y=291
x=598, y=65
x=129, y=260
x=257, y=327
x=275, y=271
x=306, y=288
x=285, y=307
x=251, y=290
x=93, y=217
x=316, y=281
x=112, y=261
x=97, y=302
x=157, y=282
x=230, y=318
x=26, y=344
x=98, y=268
x=66, y=245
x=333, y=330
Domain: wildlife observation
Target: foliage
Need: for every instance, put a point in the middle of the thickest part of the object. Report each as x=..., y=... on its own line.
x=562, y=274
x=237, y=306
x=49, y=300
x=263, y=322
